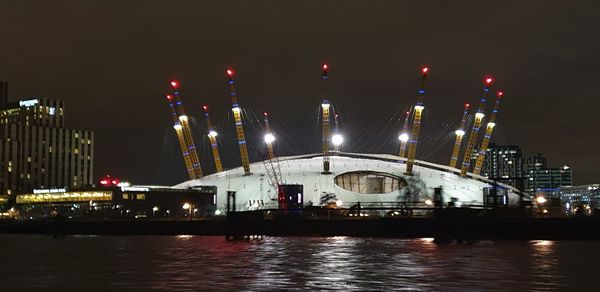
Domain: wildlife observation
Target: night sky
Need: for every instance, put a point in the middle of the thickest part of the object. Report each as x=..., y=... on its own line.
x=111, y=62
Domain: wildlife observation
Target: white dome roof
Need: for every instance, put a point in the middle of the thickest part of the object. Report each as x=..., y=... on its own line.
x=256, y=189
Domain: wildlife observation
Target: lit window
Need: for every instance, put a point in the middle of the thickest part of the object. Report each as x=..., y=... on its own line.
x=140, y=196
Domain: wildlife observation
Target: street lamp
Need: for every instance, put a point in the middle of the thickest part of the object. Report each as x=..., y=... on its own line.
x=154, y=209
x=188, y=208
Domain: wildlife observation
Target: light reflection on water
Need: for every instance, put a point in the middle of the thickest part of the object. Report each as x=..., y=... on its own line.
x=313, y=263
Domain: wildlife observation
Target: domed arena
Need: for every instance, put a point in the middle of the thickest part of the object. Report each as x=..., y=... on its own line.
x=371, y=179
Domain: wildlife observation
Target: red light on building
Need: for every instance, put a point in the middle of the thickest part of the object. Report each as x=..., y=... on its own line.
x=500, y=93
x=205, y=107
x=108, y=181
x=425, y=70
x=325, y=66
x=489, y=80
x=229, y=72
x=174, y=84
x=169, y=97
x=467, y=105
x=265, y=114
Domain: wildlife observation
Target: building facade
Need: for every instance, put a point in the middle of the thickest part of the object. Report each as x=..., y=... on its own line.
x=541, y=177
x=36, y=151
x=504, y=163
x=118, y=202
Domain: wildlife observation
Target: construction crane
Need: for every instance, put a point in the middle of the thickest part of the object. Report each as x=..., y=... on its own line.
x=466, y=164
x=272, y=166
x=404, y=136
x=416, y=125
x=187, y=133
x=212, y=137
x=488, y=134
x=325, y=110
x=179, y=131
x=460, y=133
x=239, y=127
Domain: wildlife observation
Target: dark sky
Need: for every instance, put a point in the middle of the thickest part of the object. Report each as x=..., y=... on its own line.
x=111, y=62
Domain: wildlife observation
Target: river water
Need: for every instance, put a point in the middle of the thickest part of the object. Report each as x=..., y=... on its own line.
x=202, y=263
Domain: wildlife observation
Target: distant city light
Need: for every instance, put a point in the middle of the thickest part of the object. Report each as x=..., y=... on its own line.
x=428, y=202
x=186, y=206
x=213, y=133
x=218, y=212
x=459, y=132
x=540, y=200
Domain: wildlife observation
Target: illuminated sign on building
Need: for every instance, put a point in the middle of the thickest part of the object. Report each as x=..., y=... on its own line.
x=28, y=103
x=49, y=191
x=134, y=189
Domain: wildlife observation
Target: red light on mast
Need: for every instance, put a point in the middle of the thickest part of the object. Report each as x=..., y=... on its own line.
x=265, y=114
x=205, y=107
x=425, y=70
x=169, y=97
x=229, y=72
x=500, y=93
x=325, y=66
x=467, y=105
x=488, y=80
x=174, y=84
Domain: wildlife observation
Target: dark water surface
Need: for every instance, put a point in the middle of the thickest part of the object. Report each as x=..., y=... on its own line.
x=200, y=263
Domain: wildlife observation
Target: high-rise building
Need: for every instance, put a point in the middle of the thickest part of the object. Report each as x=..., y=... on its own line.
x=504, y=163
x=549, y=178
x=3, y=93
x=36, y=151
x=540, y=176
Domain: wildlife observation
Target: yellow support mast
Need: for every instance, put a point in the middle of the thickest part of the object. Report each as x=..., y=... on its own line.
x=488, y=134
x=326, y=123
x=416, y=125
x=404, y=136
x=187, y=133
x=460, y=133
x=179, y=131
x=239, y=127
x=466, y=163
x=212, y=137
x=269, y=137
